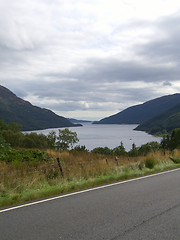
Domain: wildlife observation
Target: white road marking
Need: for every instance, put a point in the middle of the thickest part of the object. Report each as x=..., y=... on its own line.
x=87, y=190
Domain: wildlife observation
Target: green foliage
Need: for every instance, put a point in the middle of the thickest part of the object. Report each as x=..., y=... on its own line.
x=150, y=163
x=175, y=139
x=15, y=127
x=52, y=139
x=165, y=142
x=141, y=165
x=148, y=147
x=12, y=135
x=3, y=125
x=171, y=142
x=66, y=139
x=120, y=150
x=80, y=148
x=15, y=139
x=34, y=140
x=29, y=140
x=134, y=151
x=34, y=155
x=10, y=155
x=102, y=150
x=3, y=143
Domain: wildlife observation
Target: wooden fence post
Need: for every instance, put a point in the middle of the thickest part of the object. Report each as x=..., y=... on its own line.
x=60, y=167
x=116, y=159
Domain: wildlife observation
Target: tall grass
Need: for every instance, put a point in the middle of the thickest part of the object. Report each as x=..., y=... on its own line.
x=25, y=181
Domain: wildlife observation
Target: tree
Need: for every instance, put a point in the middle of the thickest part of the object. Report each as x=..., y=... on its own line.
x=174, y=142
x=80, y=148
x=3, y=143
x=15, y=139
x=52, y=139
x=149, y=147
x=120, y=150
x=165, y=142
x=66, y=139
x=102, y=150
x=15, y=127
x=34, y=140
x=3, y=125
x=134, y=151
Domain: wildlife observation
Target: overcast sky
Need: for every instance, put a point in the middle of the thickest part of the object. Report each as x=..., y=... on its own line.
x=89, y=59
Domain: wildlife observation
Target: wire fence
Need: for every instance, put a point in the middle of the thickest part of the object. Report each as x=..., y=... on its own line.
x=72, y=166
x=58, y=167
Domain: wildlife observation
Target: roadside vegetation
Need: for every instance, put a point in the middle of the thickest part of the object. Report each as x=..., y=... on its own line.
x=34, y=166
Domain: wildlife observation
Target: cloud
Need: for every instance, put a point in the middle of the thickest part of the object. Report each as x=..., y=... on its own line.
x=165, y=46
x=87, y=55
x=112, y=70
x=167, y=83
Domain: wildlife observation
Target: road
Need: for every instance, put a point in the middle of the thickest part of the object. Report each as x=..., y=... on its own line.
x=144, y=209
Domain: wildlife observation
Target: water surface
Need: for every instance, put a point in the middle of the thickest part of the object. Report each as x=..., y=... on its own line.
x=108, y=135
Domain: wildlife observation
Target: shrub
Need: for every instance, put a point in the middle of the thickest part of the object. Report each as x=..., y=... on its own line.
x=10, y=155
x=102, y=150
x=150, y=163
x=141, y=165
x=148, y=147
x=120, y=150
x=80, y=148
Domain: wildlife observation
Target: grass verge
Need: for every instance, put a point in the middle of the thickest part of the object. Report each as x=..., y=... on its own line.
x=32, y=189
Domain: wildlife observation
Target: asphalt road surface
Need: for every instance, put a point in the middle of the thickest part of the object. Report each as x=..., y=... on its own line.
x=144, y=209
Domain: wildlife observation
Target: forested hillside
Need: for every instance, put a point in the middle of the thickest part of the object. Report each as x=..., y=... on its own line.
x=15, y=109
x=165, y=122
x=143, y=112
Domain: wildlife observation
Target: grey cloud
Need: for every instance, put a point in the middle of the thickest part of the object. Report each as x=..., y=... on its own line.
x=66, y=91
x=166, y=46
x=167, y=83
x=16, y=60
x=79, y=96
x=8, y=56
x=111, y=70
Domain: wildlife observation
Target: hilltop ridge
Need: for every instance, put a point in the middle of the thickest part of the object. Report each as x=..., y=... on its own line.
x=15, y=109
x=140, y=113
x=165, y=122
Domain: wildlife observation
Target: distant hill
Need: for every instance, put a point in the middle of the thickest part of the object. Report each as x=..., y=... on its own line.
x=140, y=113
x=73, y=120
x=15, y=109
x=166, y=121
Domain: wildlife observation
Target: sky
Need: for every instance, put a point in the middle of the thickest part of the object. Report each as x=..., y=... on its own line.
x=89, y=59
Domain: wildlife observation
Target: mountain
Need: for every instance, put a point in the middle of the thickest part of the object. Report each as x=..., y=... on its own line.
x=73, y=120
x=140, y=113
x=15, y=109
x=166, y=121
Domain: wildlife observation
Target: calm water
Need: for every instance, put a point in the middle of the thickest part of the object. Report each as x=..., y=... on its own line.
x=110, y=135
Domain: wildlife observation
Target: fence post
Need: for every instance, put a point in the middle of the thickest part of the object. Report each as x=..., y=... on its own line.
x=116, y=159
x=81, y=164
x=60, y=167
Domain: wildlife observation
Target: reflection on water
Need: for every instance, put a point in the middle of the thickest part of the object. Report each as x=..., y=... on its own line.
x=109, y=135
